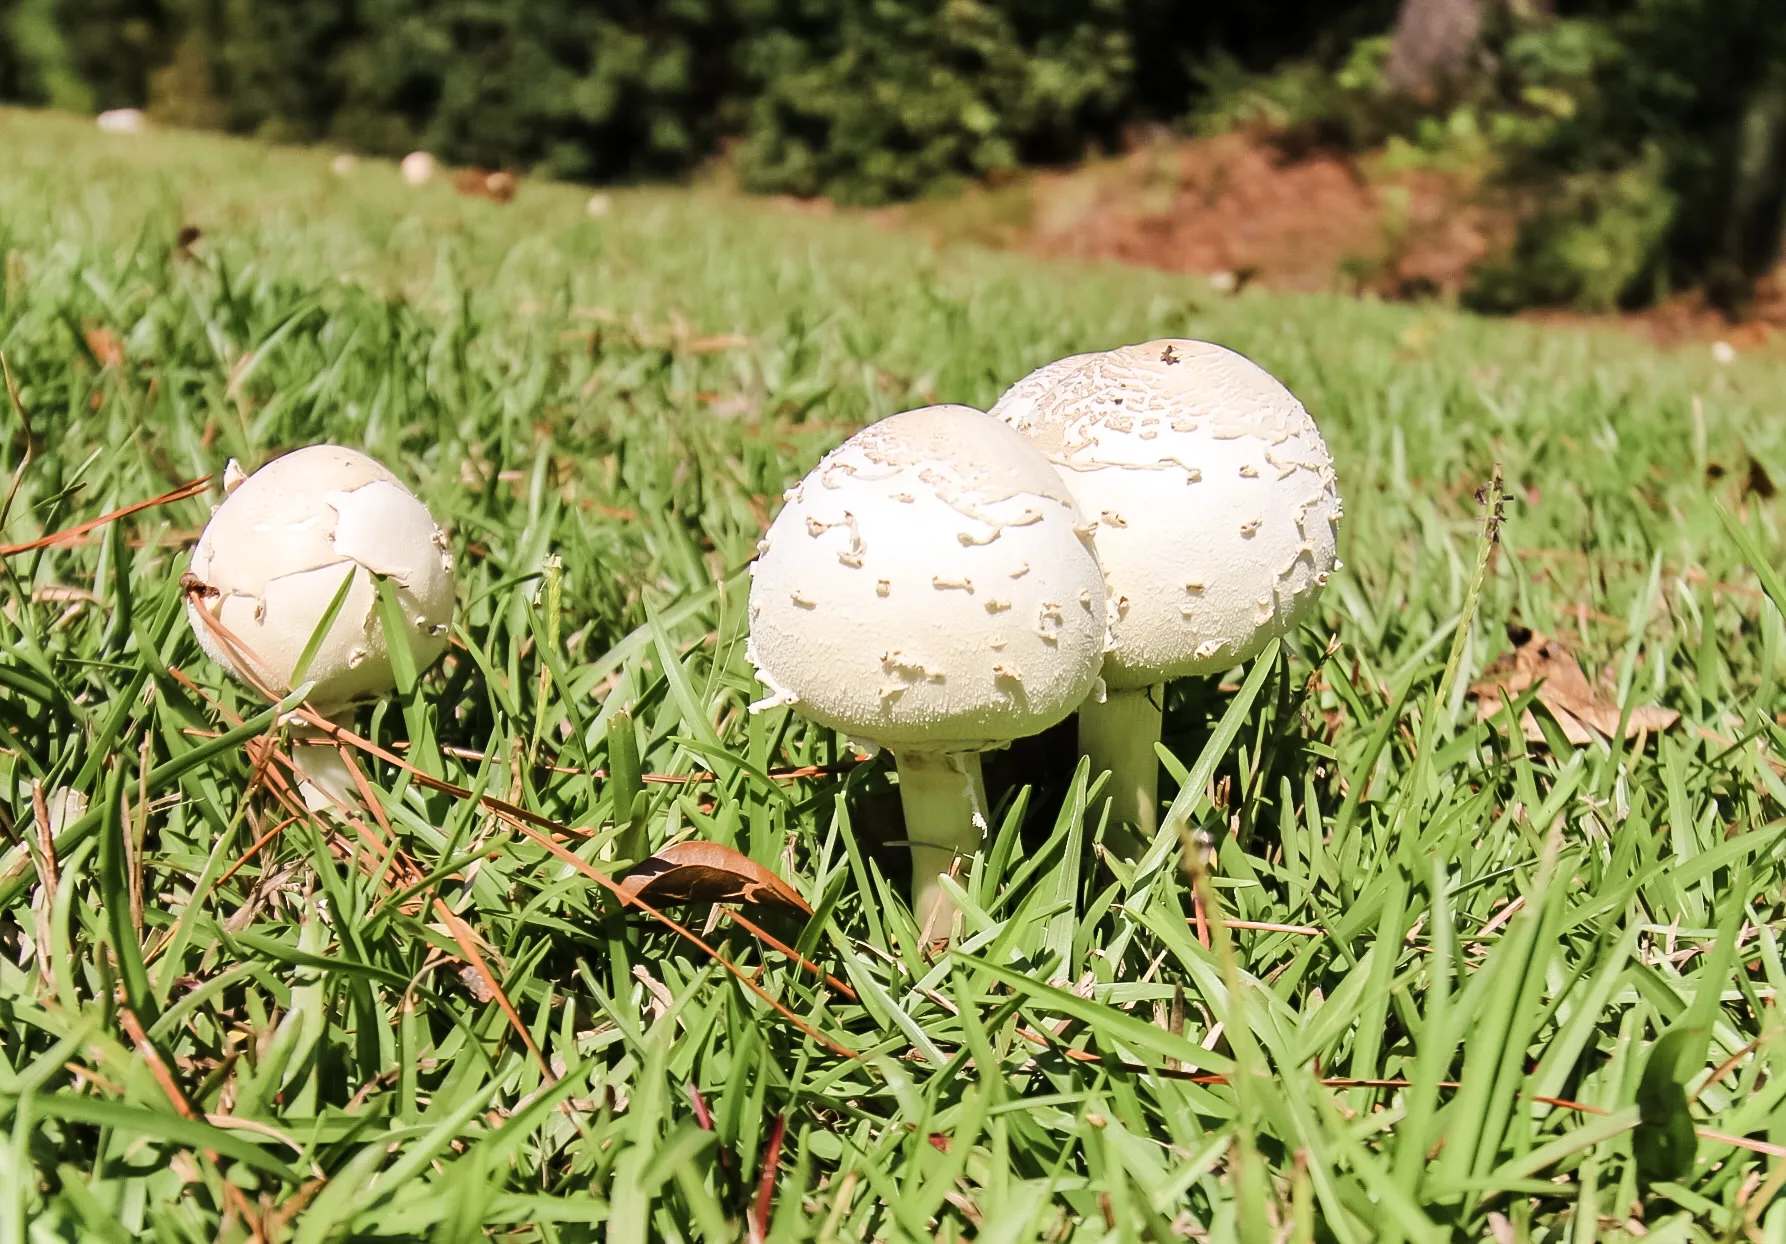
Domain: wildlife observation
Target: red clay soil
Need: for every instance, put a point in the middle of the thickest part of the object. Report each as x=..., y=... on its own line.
x=1242, y=205
x=1687, y=319
x=1245, y=208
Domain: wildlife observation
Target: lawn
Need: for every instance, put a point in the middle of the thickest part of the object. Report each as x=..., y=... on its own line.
x=1555, y=965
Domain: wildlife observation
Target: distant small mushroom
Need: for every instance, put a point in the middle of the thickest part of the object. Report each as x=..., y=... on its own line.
x=277, y=551
x=418, y=168
x=929, y=588
x=122, y=121
x=1217, y=514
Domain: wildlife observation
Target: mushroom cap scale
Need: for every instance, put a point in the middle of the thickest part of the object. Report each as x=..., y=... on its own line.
x=1017, y=404
x=277, y=550
x=929, y=585
x=1214, y=497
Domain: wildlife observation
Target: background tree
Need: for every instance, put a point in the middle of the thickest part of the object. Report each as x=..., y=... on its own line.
x=1433, y=46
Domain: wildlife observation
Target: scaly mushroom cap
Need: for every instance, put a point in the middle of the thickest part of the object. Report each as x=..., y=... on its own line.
x=1213, y=494
x=276, y=551
x=929, y=584
x=1017, y=404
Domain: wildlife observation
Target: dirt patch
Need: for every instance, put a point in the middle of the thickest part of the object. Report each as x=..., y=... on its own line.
x=1244, y=208
x=1255, y=208
x=1689, y=320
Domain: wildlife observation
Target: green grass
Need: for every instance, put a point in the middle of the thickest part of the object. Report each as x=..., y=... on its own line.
x=1501, y=926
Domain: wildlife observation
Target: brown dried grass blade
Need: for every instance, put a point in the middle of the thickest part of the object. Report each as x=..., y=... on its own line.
x=80, y=529
x=468, y=950
x=531, y=824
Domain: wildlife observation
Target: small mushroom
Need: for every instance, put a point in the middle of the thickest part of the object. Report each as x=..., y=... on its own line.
x=270, y=562
x=892, y=648
x=122, y=121
x=1218, y=514
x=418, y=168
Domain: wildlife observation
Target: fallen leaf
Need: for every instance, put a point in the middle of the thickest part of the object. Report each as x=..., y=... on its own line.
x=1585, y=711
x=105, y=346
x=707, y=872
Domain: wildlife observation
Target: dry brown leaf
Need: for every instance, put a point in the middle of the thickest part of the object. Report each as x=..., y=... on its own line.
x=707, y=872
x=106, y=347
x=1585, y=711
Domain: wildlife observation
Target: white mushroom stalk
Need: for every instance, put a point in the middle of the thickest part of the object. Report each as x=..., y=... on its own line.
x=930, y=588
x=1216, y=512
x=271, y=562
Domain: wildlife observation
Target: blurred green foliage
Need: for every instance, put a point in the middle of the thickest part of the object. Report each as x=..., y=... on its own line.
x=861, y=100
x=868, y=102
x=1643, y=142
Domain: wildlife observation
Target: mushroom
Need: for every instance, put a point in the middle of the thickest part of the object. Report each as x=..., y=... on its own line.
x=276, y=553
x=1216, y=517
x=930, y=588
x=122, y=121
x=417, y=168
x=1017, y=405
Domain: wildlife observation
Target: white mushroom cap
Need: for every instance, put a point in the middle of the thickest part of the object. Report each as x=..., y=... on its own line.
x=1213, y=493
x=276, y=552
x=929, y=584
x=122, y=121
x=1017, y=404
x=417, y=168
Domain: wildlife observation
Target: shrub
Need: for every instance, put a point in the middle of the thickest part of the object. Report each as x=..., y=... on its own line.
x=1595, y=241
x=864, y=103
x=1617, y=120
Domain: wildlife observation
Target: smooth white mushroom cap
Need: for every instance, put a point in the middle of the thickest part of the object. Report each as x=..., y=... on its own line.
x=417, y=168
x=1213, y=493
x=929, y=585
x=122, y=121
x=277, y=550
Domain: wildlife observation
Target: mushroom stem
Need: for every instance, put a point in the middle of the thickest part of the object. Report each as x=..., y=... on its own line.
x=324, y=779
x=1118, y=734
x=944, y=799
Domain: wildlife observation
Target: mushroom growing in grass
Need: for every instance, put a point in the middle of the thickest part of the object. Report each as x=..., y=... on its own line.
x=304, y=541
x=930, y=588
x=1216, y=515
x=417, y=168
